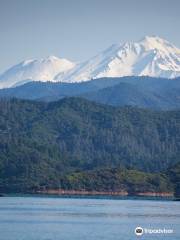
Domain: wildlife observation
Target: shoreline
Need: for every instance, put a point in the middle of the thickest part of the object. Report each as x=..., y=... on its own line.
x=103, y=193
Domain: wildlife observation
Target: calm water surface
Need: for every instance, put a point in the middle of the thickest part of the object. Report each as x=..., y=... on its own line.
x=45, y=218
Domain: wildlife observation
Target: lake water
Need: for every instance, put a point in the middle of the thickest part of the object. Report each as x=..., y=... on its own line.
x=48, y=218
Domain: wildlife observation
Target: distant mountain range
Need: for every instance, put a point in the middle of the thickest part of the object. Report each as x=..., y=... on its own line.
x=151, y=56
x=145, y=92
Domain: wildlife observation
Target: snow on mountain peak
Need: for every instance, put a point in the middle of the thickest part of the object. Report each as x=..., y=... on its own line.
x=152, y=56
x=27, y=62
x=155, y=42
x=44, y=69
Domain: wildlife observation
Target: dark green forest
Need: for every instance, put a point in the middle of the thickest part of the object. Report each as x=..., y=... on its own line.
x=79, y=144
x=117, y=179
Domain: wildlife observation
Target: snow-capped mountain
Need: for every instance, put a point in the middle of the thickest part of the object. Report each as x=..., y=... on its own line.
x=151, y=56
x=35, y=70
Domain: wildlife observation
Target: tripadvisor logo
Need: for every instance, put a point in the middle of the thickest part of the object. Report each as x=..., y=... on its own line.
x=139, y=231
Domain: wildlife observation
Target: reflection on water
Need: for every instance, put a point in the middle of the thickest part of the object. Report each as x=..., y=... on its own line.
x=41, y=218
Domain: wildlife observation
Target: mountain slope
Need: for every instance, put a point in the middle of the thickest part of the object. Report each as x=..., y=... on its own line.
x=34, y=70
x=157, y=95
x=77, y=134
x=151, y=56
x=143, y=92
x=123, y=94
x=40, y=143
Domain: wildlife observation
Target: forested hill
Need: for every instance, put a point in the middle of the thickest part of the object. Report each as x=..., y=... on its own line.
x=40, y=142
x=144, y=91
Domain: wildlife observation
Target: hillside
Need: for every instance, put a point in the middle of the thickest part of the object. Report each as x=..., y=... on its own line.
x=42, y=142
x=144, y=92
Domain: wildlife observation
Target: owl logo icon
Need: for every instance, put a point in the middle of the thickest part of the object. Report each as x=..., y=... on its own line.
x=139, y=231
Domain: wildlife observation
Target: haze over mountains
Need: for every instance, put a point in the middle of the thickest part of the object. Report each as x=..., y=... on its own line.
x=144, y=92
x=151, y=56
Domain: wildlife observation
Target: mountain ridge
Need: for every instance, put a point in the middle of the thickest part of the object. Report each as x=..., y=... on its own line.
x=151, y=56
x=44, y=69
x=144, y=92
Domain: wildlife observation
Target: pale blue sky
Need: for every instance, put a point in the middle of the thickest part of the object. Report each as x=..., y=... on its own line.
x=78, y=29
